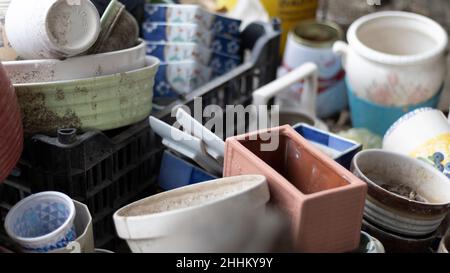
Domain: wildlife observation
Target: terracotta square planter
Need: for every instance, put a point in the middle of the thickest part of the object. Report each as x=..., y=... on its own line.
x=323, y=200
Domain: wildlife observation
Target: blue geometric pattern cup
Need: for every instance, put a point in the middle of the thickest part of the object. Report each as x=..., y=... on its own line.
x=42, y=222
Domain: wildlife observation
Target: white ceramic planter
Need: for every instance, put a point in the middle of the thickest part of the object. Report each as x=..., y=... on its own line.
x=48, y=29
x=34, y=71
x=394, y=58
x=149, y=225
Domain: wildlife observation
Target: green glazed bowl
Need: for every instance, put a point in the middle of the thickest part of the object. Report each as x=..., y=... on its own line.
x=101, y=103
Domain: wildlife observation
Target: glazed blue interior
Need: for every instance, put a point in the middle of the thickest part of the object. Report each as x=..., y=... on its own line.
x=176, y=172
x=325, y=139
x=41, y=219
x=379, y=118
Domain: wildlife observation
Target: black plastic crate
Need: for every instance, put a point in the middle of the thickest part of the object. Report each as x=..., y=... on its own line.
x=104, y=170
x=107, y=170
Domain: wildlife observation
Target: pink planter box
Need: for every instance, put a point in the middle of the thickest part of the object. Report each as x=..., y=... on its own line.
x=323, y=200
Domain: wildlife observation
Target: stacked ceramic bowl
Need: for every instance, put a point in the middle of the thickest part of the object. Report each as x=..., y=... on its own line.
x=395, y=63
x=407, y=200
x=193, y=45
x=59, y=86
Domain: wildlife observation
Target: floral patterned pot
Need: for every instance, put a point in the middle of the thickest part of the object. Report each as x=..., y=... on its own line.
x=323, y=200
x=395, y=58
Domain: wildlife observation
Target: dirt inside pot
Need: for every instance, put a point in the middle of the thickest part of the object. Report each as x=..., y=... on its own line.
x=188, y=197
x=404, y=191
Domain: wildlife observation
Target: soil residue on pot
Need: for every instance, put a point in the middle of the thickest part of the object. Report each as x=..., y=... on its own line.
x=404, y=191
x=37, y=118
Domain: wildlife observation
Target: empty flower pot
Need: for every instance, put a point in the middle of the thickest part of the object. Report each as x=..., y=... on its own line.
x=323, y=201
x=211, y=216
x=405, y=195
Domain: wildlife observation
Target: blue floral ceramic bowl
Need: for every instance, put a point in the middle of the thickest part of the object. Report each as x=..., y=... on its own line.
x=42, y=222
x=340, y=149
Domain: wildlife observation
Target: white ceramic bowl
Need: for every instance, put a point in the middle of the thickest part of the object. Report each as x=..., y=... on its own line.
x=33, y=71
x=42, y=222
x=149, y=225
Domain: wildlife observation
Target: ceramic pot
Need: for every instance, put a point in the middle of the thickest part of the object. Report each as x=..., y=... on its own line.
x=38, y=71
x=338, y=148
x=394, y=58
x=151, y=224
x=405, y=196
x=395, y=243
x=7, y=53
x=423, y=134
x=42, y=222
x=102, y=103
x=11, y=140
x=377, y=118
x=84, y=243
x=305, y=109
x=444, y=246
x=119, y=30
x=52, y=29
x=312, y=41
x=323, y=201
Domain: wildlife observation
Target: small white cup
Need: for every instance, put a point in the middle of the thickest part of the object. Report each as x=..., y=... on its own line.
x=52, y=29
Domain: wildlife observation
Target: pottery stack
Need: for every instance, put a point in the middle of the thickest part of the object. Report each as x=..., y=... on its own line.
x=394, y=64
x=407, y=200
x=63, y=82
x=194, y=46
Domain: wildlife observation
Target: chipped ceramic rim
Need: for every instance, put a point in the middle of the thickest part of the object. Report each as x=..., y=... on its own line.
x=406, y=117
x=23, y=202
x=378, y=56
x=259, y=181
x=410, y=160
x=152, y=63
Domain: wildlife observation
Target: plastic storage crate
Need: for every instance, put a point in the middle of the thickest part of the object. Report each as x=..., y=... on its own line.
x=107, y=170
x=103, y=170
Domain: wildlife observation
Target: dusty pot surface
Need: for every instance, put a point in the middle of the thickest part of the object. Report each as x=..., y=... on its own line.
x=35, y=71
x=323, y=201
x=11, y=140
x=52, y=29
x=405, y=195
x=102, y=103
x=148, y=224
